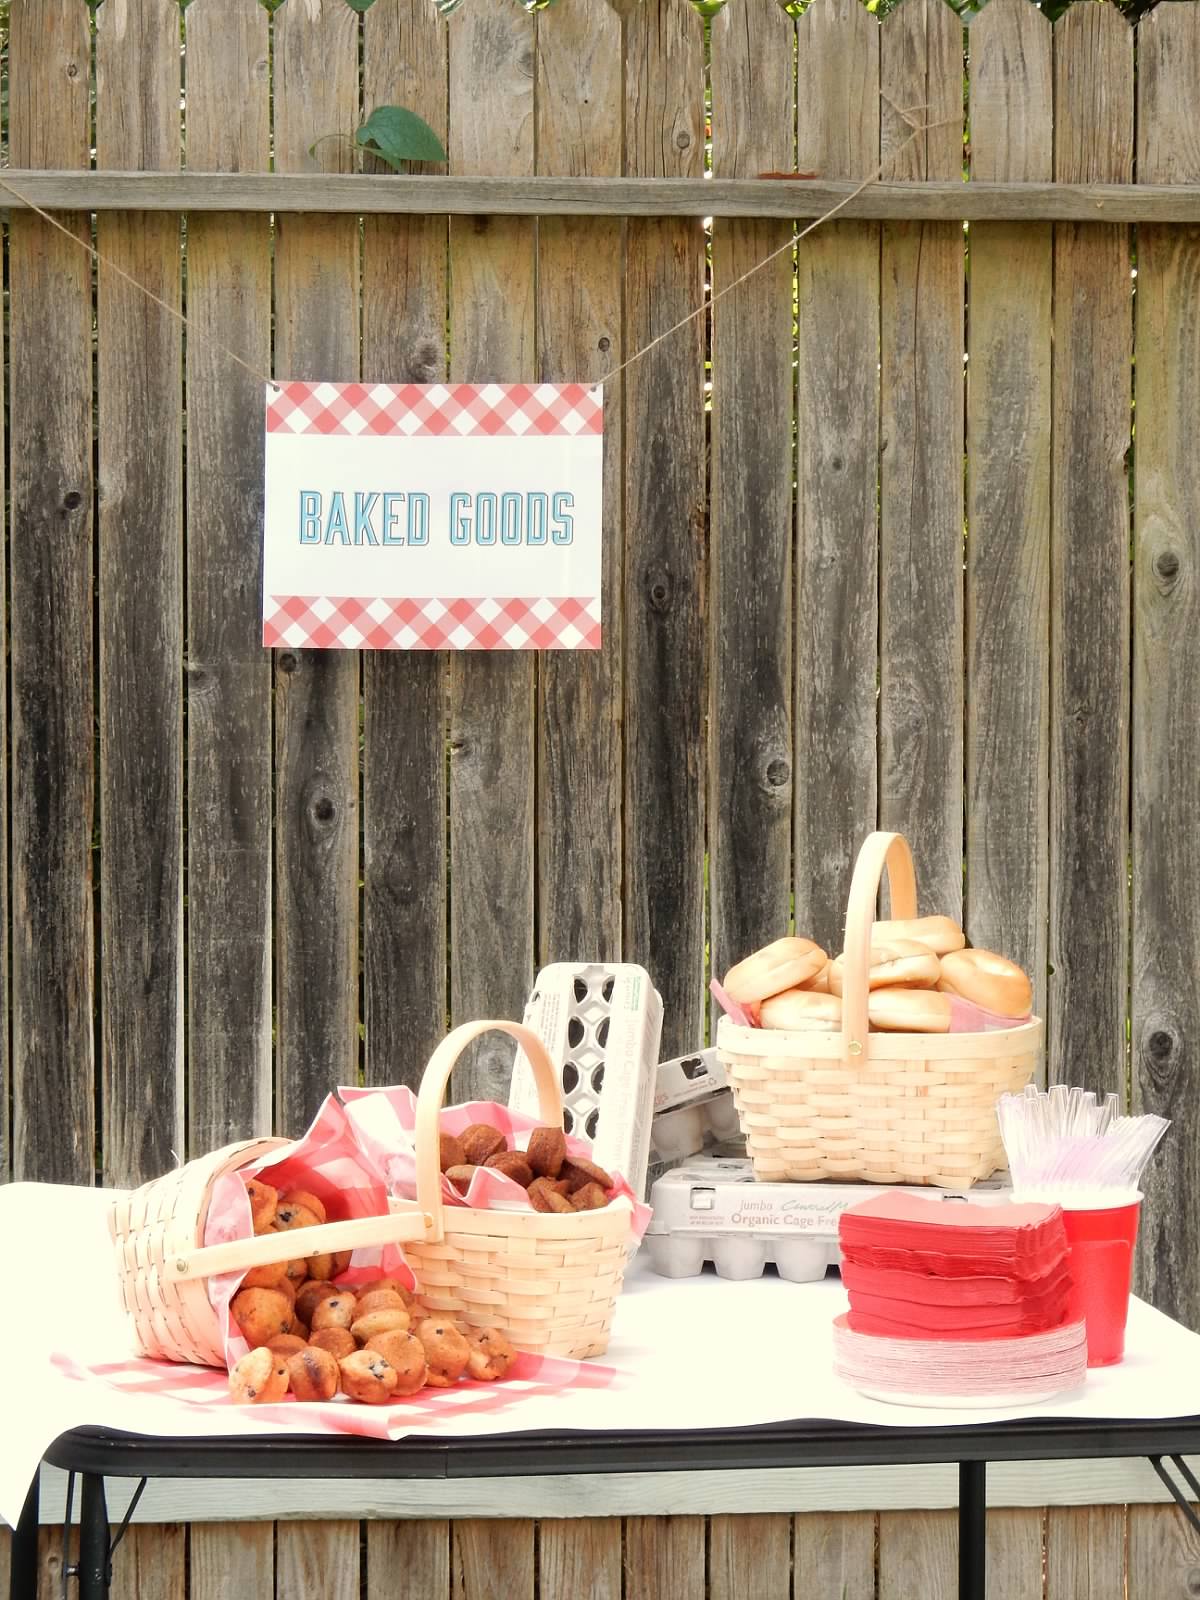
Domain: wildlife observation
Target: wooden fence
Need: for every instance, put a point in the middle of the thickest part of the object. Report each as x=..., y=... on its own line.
x=235, y=878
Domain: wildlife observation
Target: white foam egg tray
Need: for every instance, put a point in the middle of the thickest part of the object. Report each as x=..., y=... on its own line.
x=712, y=1210
x=602, y=1027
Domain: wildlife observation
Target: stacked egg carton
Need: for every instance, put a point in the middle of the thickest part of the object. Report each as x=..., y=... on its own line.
x=693, y=1108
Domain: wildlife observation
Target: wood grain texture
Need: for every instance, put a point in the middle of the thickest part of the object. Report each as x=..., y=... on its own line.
x=228, y=671
x=665, y=516
x=1163, y=1555
x=580, y=108
x=492, y=1560
x=1014, y=1556
x=408, y=1560
x=316, y=691
x=837, y=422
x=750, y=1556
x=152, y=1564
x=921, y=456
x=833, y=1556
x=140, y=533
x=918, y=1555
x=231, y=1558
x=51, y=656
x=50, y=1560
x=314, y=1558
x=664, y=1555
x=5, y=1559
x=1008, y=501
x=1166, y=669
x=404, y=692
x=579, y=1557
x=1085, y=1552
x=492, y=693
x=751, y=499
x=1089, y=585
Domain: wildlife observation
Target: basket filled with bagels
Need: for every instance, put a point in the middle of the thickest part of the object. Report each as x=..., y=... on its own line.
x=884, y=1064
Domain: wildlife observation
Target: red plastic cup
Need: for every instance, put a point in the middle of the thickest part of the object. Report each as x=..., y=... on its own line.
x=1101, y=1241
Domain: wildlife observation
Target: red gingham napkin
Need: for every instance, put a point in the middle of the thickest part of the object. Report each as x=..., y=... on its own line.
x=384, y=1121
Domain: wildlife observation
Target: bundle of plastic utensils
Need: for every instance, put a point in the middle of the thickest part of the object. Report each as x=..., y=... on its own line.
x=1061, y=1140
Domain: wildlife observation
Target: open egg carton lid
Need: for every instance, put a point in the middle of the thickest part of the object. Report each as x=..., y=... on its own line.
x=602, y=1026
x=712, y=1209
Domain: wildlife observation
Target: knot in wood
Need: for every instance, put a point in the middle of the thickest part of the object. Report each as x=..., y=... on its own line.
x=1166, y=565
x=837, y=463
x=682, y=139
x=72, y=500
x=288, y=661
x=324, y=809
x=1192, y=1583
x=1160, y=1046
x=604, y=345
x=779, y=772
x=658, y=588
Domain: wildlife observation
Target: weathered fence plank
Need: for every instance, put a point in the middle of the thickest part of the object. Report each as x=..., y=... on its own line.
x=833, y=1557
x=1089, y=587
x=918, y=1555
x=140, y=532
x=492, y=694
x=231, y=1558
x=408, y=1560
x=228, y=672
x=316, y=691
x=50, y=614
x=404, y=694
x=318, y=1558
x=665, y=1555
x=1085, y=1552
x=492, y=1560
x=1166, y=668
x=837, y=423
x=1008, y=502
x=1015, y=1557
x=579, y=857
x=1163, y=1555
x=750, y=1556
x=665, y=523
x=152, y=1564
x=921, y=458
x=579, y=1557
x=751, y=500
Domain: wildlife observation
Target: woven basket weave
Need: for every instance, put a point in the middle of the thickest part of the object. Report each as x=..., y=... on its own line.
x=878, y=1107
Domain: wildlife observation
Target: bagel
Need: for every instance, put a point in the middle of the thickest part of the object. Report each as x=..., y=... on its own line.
x=786, y=964
x=909, y=1010
x=801, y=1008
x=939, y=934
x=894, y=962
x=988, y=981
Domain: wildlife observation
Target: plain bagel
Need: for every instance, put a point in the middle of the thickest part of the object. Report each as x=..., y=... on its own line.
x=786, y=964
x=800, y=1009
x=988, y=981
x=909, y=1011
x=893, y=962
x=939, y=934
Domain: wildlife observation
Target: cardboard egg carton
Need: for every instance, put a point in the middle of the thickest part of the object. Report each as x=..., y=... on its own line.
x=602, y=1026
x=713, y=1210
x=693, y=1108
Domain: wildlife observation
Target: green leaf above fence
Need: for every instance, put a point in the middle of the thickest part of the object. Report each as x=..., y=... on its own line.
x=396, y=135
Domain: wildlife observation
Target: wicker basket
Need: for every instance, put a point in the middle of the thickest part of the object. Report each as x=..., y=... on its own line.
x=548, y=1281
x=879, y=1107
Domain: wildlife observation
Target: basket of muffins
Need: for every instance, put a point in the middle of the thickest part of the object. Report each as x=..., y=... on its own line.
x=884, y=1063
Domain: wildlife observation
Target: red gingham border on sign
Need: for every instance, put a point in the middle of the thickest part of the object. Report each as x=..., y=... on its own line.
x=452, y=410
x=333, y=622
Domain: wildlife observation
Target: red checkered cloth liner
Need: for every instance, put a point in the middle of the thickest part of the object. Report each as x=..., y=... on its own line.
x=440, y=409
x=207, y=1388
x=334, y=621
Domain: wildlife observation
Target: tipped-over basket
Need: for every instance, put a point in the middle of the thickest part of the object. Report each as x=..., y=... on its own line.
x=848, y=1104
x=549, y=1282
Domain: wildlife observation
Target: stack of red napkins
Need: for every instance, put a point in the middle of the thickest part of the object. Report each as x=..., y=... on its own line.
x=942, y=1269
x=953, y=1303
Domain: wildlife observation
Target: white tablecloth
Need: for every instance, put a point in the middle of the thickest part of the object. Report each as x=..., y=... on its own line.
x=688, y=1353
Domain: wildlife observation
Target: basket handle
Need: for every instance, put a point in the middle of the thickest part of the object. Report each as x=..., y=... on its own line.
x=879, y=850
x=424, y=1220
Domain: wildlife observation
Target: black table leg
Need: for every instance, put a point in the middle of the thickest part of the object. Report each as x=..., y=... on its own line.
x=972, y=1530
x=23, y=1572
x=94, y=1564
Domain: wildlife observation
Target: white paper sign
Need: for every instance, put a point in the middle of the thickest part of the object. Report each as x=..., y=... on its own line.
x=432, y=516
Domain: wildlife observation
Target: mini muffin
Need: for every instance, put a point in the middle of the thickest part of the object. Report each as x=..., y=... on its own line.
x=379, y=1300
x=302, y=1197
x=491, y=1354
x=393, y=1284
x=547, y=1151
x=291, y=1214
x=266, y=1277
x=590, y=1198
x=286, y=1344
x=263, y=1200
x=577, y=1172
x=329, y=1265
x=310, y=1295
x=336, y=1311
x=461, y=1177
x=480, y=1141
x=451, y=1151
x=405, y=1354
x=446, y=1351
x=370, y=1323
x=259, y=1377
x=338, y=1341
x=545, y=1196
x=298, y=1272
x=261, y=1314
x=513, y=1165
x=313, y=1374
x=368, y=1376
